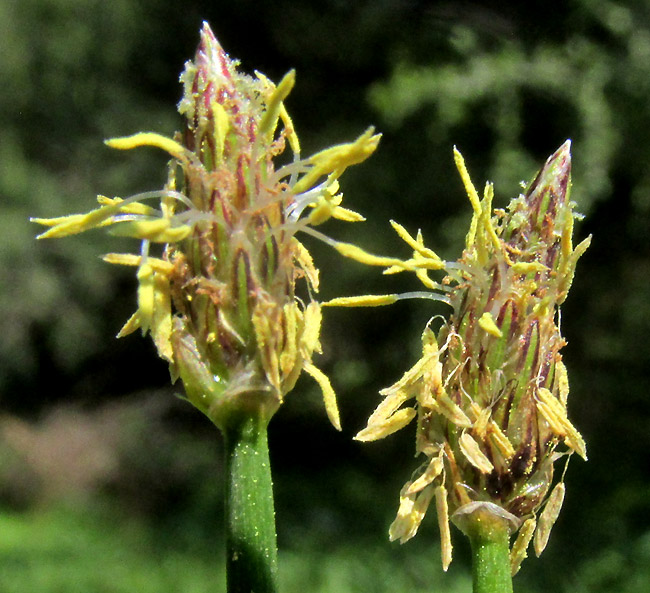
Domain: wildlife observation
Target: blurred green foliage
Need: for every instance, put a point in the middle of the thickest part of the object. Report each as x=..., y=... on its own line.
x=65, y=551
x=507, y=85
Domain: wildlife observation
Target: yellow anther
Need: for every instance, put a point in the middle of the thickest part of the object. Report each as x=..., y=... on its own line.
x=128, y=259
x=290, y=130
x=392, y=401
x=528, y=267
x=306, y=263
x=338, y=158
x=500, y=440
x=76, y=223
x=474, y=455
x=274, y=103
x=487, y=323
x=358, y=254
x=451, y=410
x=289, y=353
x=402, y=527
x=146, y=296
x=266, y=337
x=554, y=413
x=158, y=230
x=482, y=418
x=347, y=215
x=312, y=319
x=562, y=380
x=424, y=278
x=518, y=553
x=443, y=525
x=161, y=321
x=130, y=326
x=392, y=424
x=329, y=397
x=415, y=244
x=411, y=511
x=324, y=209
x=128, y=208
x=221, y=128
x=149, y=139
x=482, y=212
x=472, y=194
x=433, y=470
x=369, y=300
x=429, y=363
x=548, y=517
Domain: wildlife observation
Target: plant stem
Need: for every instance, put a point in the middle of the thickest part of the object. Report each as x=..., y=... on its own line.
x=251, y=549
x=489, y=537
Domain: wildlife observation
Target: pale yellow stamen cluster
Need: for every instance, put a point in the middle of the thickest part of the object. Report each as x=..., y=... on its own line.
x=331, y=163
x=457, y=429
x=286, y=334
x=554, y=412
x=421, y=263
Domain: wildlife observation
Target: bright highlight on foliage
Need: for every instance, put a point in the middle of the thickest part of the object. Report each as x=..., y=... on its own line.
x=219, y=259
x=490, y=391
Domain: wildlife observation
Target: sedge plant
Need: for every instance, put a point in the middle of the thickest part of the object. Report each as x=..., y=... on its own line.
x=224, y=286
x=489, y=395
x=227, y=292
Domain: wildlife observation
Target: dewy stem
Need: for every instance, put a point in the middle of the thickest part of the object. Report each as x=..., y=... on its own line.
x=251, y=561
x=490, y=537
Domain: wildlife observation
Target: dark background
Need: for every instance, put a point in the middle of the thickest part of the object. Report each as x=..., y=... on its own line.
x=90, y=425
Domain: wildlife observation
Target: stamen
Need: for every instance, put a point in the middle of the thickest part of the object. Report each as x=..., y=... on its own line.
x=301, y=201
x=420, y=294
x=161, y=193
x=291, y=170
x=314, y=233
x=294, y=174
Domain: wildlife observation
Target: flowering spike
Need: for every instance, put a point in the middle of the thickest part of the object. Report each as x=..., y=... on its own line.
x=490, y=389
x=219, y=296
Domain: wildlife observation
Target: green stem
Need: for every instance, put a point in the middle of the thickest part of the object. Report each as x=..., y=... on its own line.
x=251, y=561
x=490, y=537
